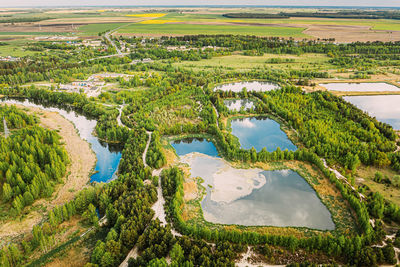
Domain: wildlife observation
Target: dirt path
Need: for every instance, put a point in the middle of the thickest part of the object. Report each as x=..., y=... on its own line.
x=147, y=148
x=82, y=160
x=339, y=176
x=132, y=254
x=6, y=131
x=158, y=207
x=384, y=243
x=121, y=107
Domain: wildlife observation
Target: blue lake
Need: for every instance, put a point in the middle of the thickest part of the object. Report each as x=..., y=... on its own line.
x=255, y=197
x=190, y=145
x=108, y=156
x=385, y=108
x=261, y=132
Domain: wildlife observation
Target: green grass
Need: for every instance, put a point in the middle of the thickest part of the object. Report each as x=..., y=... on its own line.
x=94, y=29
x=187, y=29
x=244, y=63
x=388, y=25
x=15, y=48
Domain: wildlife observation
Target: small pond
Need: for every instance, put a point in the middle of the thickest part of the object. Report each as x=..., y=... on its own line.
x=108, y=156
x=255, y=197
x=237, y=104
x=360, y=87
x=259, y=132
x=386, y=108
x=254, y=86
x=189, y=145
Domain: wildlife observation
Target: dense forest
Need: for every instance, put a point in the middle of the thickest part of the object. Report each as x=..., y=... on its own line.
x=33, y=160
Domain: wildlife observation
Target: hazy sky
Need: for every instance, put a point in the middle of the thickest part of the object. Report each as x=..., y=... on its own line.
x=382, y=3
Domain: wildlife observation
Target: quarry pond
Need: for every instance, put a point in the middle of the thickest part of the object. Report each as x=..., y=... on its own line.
x=254, y=86
x=385, y=108
x=360, y=87
x=108, y=156
x=260, y=132
x=252, y=197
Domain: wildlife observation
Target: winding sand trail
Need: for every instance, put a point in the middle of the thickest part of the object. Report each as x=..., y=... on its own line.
x=121, y=107
x=82, y=160
x=146, y=149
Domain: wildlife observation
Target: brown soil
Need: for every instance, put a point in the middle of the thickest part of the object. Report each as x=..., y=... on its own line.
x=82, y=160
x=62, y=25
x=31, y=27
x=351, y=33
x=170, y=156
x=73, y=257
x=190, y=190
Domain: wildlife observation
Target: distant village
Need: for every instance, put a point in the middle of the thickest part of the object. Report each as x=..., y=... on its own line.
x=92, y=87
x=9, y=59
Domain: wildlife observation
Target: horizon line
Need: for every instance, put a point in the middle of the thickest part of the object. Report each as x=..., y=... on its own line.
x=198, y=6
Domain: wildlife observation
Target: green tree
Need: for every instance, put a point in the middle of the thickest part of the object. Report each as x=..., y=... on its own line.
x=7, y=192
x=177, y=254
x=28, y=198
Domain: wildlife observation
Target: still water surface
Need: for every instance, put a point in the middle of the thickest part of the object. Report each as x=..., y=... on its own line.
x=252, y=197
x=360, y=87
x=190, y=145
x=386, y=108
x=261, y=132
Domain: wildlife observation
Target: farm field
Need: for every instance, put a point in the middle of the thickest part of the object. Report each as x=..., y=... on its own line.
x=190, y=29
x=83, y=23
x=95, y=29
x=344, y=30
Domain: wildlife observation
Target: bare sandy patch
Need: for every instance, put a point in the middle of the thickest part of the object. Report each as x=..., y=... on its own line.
x=190, y=190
